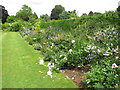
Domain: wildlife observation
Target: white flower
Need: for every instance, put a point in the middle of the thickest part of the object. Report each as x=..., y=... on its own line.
x=89, y=47
x=93, y=47
x=113, y=28
x=117, y=57
x=70, y=50
x=73, y=41
x=60, y=56
x=88, y=82
x=44, y=43
x=65, y=58
x=49, y=64
x=49, y=73
x=111, y=44
x=73, y=78
x=117, y=48
x=55, y=60
x=53, y=65
x=86, y=50
x=41, y=62
x=98, y=50
x=106, y=54
x=52, y=44
x=114, y=65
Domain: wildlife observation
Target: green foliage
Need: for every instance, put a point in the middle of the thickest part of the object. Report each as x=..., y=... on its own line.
x=84, y=14
x=0, y=25
x=26, y=14
x=65, y=15
x=66, y=25
x=17, y=26
x=14, y=27
x=103, y=76
x=69, y=24
x=73, y=12
x=94, y=38
x=33, y=18
x=97, y=13
x=56, y=11
x=45, y=17
x=11, y=19
x=68, y=43
x=118, y=9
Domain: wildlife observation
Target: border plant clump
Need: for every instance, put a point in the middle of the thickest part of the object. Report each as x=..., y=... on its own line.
x=70, y=43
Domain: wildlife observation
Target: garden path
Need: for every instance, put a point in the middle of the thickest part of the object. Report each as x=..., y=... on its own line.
x=21, y=69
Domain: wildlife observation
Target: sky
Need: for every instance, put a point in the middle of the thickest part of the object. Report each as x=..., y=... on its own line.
x=46, y=6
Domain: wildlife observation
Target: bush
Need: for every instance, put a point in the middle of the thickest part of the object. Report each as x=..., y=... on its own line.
x=103, y=76
x=95, y=38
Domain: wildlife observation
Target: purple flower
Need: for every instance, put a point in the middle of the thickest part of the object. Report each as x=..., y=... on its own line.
x=90, y=56
x=27, y=32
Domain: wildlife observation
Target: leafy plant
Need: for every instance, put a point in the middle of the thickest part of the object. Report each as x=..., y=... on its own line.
x=103, y=76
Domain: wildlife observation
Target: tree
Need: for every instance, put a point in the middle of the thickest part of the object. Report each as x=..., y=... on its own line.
x=11, y=19
x=24, y=13
x=90, y=13
x=84, y=14
x=73, y=12
x=46, y=17
x=118, y=10
x=3, y=14
x=34, y=15
x=56, y=11
x=65, y=15
x=97, y=13
x=32, y=18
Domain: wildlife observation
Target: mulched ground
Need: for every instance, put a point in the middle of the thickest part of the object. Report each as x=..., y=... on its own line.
x=77, y=75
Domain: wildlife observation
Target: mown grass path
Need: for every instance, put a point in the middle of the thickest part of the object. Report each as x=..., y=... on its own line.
x=19, y=68
x=0, y=59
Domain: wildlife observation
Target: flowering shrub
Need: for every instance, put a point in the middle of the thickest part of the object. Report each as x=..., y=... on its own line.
x=88, y=43
x=103, y=76
x=76, y=43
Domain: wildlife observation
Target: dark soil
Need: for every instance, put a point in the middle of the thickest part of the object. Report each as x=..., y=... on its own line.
x=77, y=75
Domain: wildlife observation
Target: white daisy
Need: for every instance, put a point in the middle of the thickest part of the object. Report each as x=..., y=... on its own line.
x=70, y=50
x=41, y=62
x=49, y=73
x=73, y=41
x=114, y=65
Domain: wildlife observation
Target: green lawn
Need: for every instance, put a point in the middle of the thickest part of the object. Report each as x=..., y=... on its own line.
x=19, y=68
x=0, y=59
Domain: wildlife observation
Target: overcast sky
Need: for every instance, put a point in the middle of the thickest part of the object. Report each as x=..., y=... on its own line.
x=45, y=6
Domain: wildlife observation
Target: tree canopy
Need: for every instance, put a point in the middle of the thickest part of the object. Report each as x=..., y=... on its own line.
x=3, y=14
x=45, y=17
x=25, y=13
x=118, y=9
x=56, y=11
x=65, y=15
